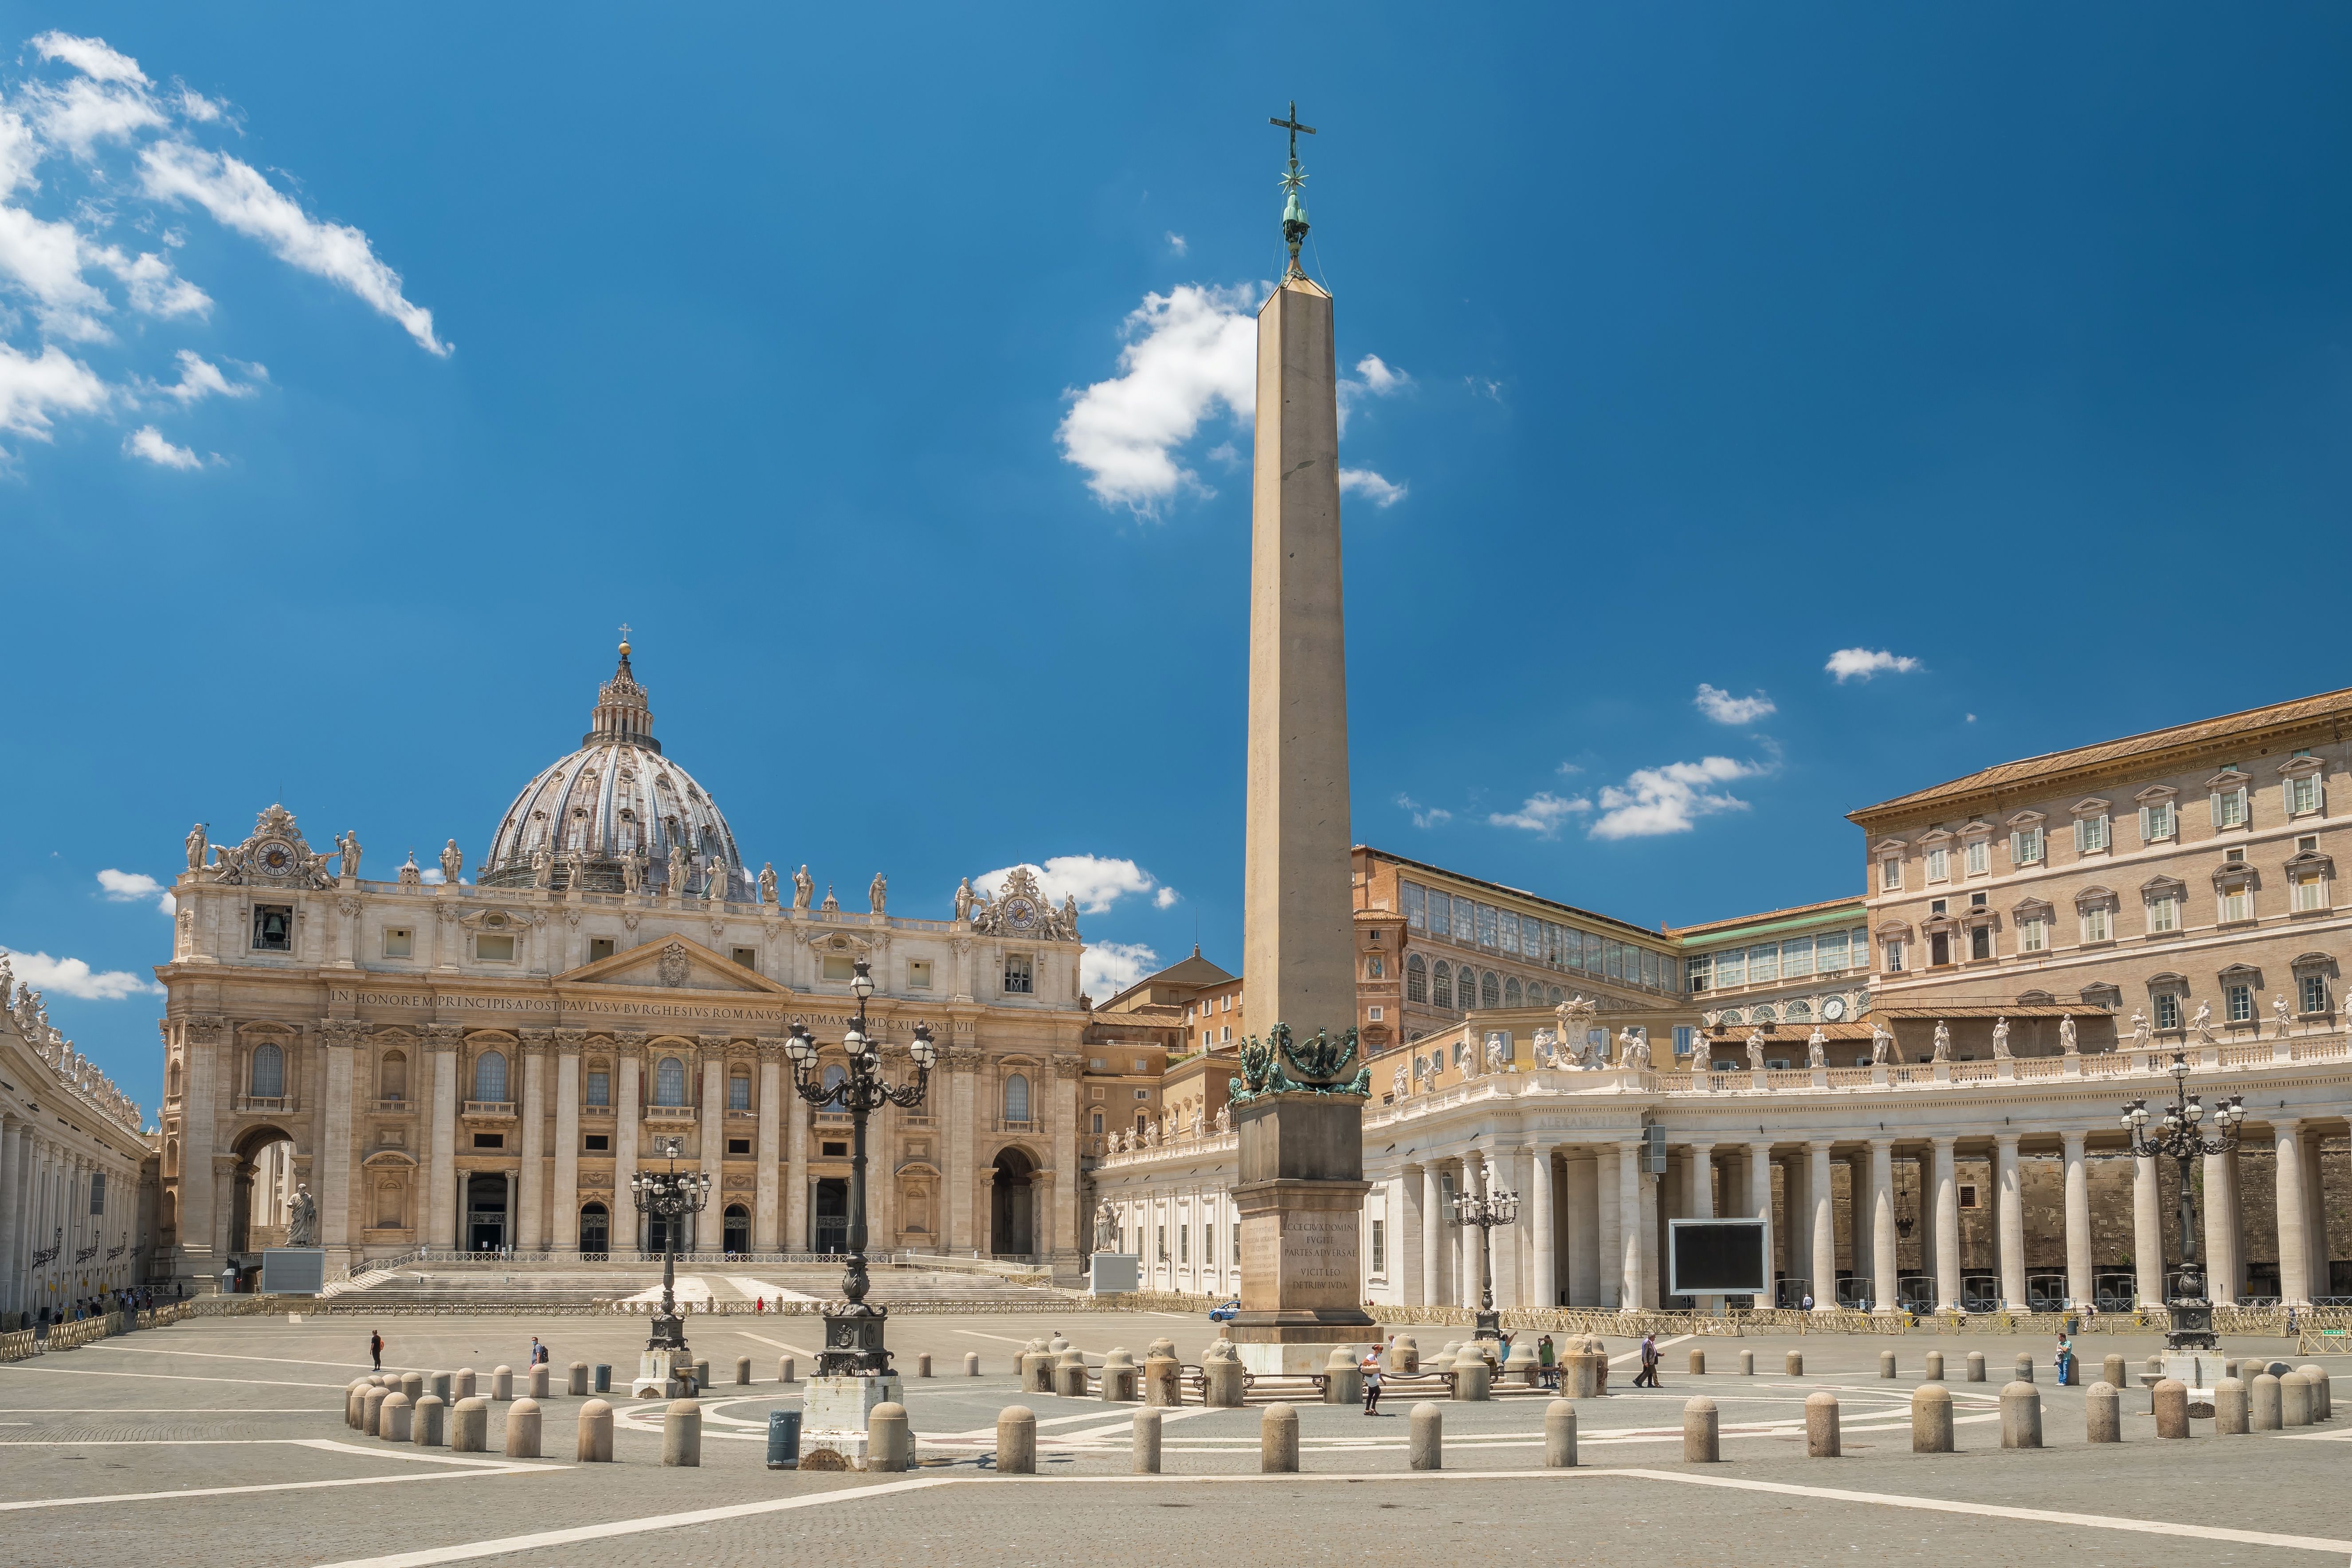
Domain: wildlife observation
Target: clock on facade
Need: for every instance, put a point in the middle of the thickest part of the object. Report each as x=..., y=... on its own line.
x=1020, y=913
x=1833, y=1009
x=275, y=857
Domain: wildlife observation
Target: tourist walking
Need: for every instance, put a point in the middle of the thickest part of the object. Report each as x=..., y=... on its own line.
x=537, y=1352
x=1648, y=1377
x=375, y=1349
x=2065, y=1361
x=1372, y=1381
x=1546, y=1359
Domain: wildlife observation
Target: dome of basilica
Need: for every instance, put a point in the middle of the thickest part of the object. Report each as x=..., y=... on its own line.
x=616, y=814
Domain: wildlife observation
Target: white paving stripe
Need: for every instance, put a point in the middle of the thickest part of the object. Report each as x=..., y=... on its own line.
x=778, y=1344
x=224, y=1356
x=753, y=1288
x=454, y=1468
x=165, y=1376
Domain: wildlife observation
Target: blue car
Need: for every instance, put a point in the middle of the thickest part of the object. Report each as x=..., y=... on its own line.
x=1226, y=1313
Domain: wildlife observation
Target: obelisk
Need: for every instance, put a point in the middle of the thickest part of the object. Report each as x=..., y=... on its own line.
x=1299, y=1106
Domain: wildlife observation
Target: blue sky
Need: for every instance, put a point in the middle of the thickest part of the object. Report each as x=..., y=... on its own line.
x=361, y=374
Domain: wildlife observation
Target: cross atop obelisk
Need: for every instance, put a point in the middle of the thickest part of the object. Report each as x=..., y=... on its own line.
x=1294, y=211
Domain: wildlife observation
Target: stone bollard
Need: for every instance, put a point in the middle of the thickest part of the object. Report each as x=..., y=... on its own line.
x=1424, y=1442
x=784, y=1369
x=1931, y=1419
x=1934, y=1366
x=1560, y=1435
x=2322, y=1392
x=2102, y=1412
x=522, y=1430
x=412, y=1384
x=1580, y=1374
x=501, y=1383
x=1343, y=1379
x=702, y=1377
x=923, y=1364
x=1471, y=1376
x=2263, y=1405
x=1070, y=1375
x=1036, y=1371
x=889, y=1441
x=2111, y=1371
x=391, y=1421
x=438, y=1385
x=461, y=1386
x=682, y=1434
x=2153, y=1367
x=1748, y=1363
x=1699, y=1363
x=578, y=1386
x=970, y=1364
x=743, y=1372
x=2170, y=1398
x=1163, y=1383
x=1976, y=1366
x=1405, y=1356
x=1795, y=1366
x=1701, y=1439
x=1147, y=1442
x=539, y=1380
x=428, y=1426
x=2294, y=1400
x=595, y=1432
x=1886, y=1364
x=1821, y=1426
x=1225, y=1382
x=1523, y=1365
x=355, y=1404
x=2024, y=1369
x=1017, y=1441
x=2230, y=1408
x=2020, y=1415
x=1118, y=1376
x=1278, y=1440
x=470, y=1426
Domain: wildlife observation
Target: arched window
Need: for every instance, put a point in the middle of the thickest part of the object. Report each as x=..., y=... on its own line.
x=1416, y=979
x=1556, y=998
x=1511, y=992
x=1490, y=990
x=268, y=1071
x=394, y=1081
x=669, y=1081
x=1442, y=988
x=739, y=1091
x=1017, y=1098
x=833, y=1075
x=491, y=1076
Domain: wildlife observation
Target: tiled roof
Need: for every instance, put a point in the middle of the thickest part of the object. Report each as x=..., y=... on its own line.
x=1795, y=914
x=2051, y=765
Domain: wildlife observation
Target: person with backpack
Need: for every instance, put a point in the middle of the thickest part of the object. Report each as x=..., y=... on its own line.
x=375, y=1349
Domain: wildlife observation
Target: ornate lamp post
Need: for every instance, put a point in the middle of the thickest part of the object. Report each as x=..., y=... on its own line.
x=852, y=1335
x=669, y=1195
x=1498, y=1207
x=2179, y=1132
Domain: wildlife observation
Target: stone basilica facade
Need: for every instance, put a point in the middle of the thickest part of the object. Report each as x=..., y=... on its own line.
x=455, y=1065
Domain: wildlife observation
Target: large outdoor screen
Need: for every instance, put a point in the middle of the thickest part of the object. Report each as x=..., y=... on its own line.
x=1716, y=1257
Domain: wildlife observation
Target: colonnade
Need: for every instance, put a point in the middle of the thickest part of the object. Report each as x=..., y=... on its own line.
x=45, y=1214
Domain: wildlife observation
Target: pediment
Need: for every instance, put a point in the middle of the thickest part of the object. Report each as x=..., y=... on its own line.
x=672, y=963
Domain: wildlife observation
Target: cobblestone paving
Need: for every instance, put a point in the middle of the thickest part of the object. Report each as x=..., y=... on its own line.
x=228, y=1435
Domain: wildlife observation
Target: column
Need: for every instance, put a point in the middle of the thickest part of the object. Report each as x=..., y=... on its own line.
x=1883, y=1284
x=1629, y=1226
x=1797, y=1213
x=337, y=1154
x=1947, y=1225
x=629, y=1066
x=563, y=1224
x=1579, y=1200
x=710, y=1235
x=1609, y=1230
x=529, y=1234
x=1759, y=1204
x=511, y=1227
x=796, y=1111
x=2079, y=1288
x=964, y=1185
x=2148, y=1231
x=1859, y=1235
x=1543, y=1270
x=1824, y=1226
x=1433, y=1235
x=1470, y=1276
x=1698, y=1203
x=1065, y=1241
x=1924, y=1183
x=2009, y=1184
x=1509, y=1173
x=442, y=1186
x=2315, y=1205
x=12, y=1195
x=2221, y=1232
x=1650, y=1274
x=2294, y=1216
x=199, y=1129
x=764, y=1202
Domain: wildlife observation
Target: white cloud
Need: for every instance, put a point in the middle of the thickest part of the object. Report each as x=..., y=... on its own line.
x=149, y=443
x=1848, y=662
x=237, y=196
x=32, y=389
x=91, y=57
x=1189, y=351
x=200, y=379
x=155, y=290
x=1725, y=709
x=1176, y=243
x=1372, y=487
x=131, y=886
x=1107, y=968
x=1481, y=387
x=1379, y=378
x=1165, y=899
x=1424, y=816
x=1542, y=813
x=432, y=876
x=1097, y=881
x=72, y=977
x=1669, y=799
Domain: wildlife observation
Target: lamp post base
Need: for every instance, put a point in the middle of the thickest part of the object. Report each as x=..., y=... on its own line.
x=2192, y=1326
x=834, y=1413
x=1489, y=1326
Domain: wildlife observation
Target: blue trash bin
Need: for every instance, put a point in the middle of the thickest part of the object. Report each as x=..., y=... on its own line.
x=783, y=1439
x=604, y=1377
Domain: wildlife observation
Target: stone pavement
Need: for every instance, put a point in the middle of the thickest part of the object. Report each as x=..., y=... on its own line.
x=226, y=1436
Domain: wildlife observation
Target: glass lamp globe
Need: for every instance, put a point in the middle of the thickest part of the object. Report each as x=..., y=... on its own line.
x=926, y=1054
x=800, y=1046
x=854, y=1043
x=862, y=985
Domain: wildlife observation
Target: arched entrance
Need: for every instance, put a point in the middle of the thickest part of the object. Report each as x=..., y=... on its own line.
x=739, y=1228
x=595, y=1230
x=259, y=1197
x=1013, y=1205
x=486, y=1212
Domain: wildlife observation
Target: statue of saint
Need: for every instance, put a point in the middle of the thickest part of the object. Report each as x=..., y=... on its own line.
x=2203, y=1023
x=964, y=902
x=2066, y=1039
x=2139, y=1028
x=1396, y=1084
x=768, y=882
x=2279, y=1013
x=1070, y=917
x=452, y=864
x=877, y=893
x=542, y=868
x=2001, y=1039
x=802, y=886
x=349, y=844
x=1632, y=1048
x=1882, y=1042
x=1224, y=1119
x=1943, y=1052
x=302, y=1220
x=633, y=871
x=1498, y=1051
x=1152, y=1135
x=1817, y=1048
x=715, y=880
x=195, y=842
x=1756, y=1050
x=1106, y=1227
x=679, y=861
